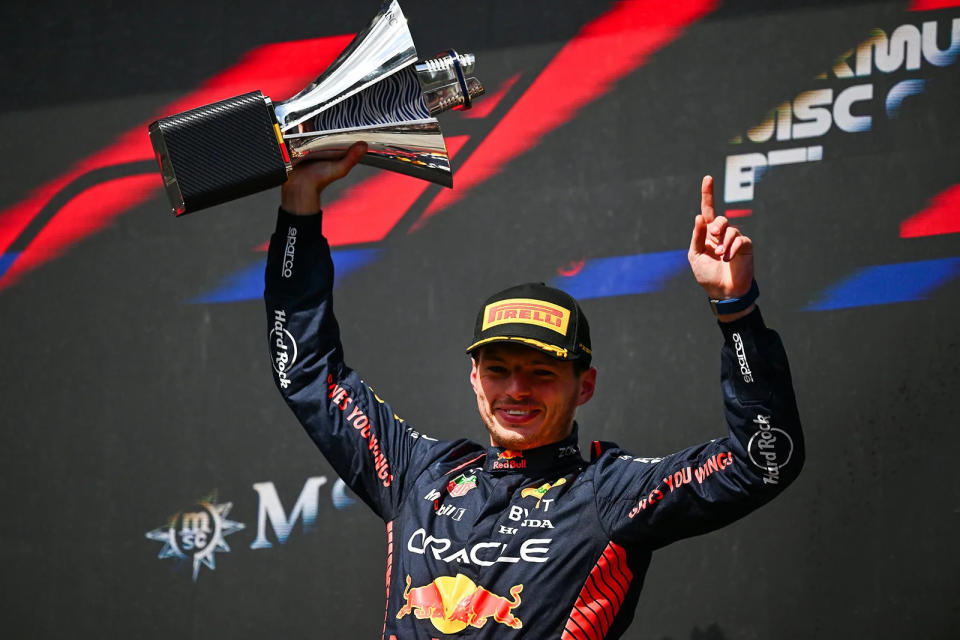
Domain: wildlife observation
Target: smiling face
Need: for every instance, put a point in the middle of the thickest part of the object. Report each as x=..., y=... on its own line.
x=526, y=398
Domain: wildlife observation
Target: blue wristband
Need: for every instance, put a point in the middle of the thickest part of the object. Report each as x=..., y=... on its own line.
x=735, y=305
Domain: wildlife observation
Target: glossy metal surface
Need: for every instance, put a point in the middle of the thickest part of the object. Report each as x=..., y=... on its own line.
x=450, y=96
x=381, y=49
x=415, y=148
x=366, y=96
x=439, y=71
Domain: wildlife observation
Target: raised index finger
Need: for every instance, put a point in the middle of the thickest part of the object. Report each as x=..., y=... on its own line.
x=706, y=199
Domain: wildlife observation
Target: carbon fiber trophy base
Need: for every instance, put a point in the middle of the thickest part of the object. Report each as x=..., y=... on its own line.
x=219, y=152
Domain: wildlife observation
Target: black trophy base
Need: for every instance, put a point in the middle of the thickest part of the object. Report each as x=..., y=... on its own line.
x=219, y=152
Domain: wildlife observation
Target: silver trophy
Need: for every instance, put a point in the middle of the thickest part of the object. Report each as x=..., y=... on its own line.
x=376, y=91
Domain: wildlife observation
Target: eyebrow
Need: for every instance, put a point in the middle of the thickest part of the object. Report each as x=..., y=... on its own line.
x=537, y=361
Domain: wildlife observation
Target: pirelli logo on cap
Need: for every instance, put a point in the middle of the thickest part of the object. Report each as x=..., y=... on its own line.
x=526, y=311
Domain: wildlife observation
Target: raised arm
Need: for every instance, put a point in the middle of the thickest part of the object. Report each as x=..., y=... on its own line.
x=655, y=501
x=370, y=447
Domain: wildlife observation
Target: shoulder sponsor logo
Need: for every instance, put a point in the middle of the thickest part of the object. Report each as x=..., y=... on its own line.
x=483, y=554
x=288, y=253
x=526, y=311
x=770, y=449
x=284, y=347
x=460, y=485
x=452, y=604
x=742, y=358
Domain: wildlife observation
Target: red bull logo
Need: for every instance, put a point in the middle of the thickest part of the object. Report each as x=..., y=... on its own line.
x=510, y=460
x=454, y=603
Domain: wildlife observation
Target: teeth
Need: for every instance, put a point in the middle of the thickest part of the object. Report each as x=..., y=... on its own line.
x=517, y=412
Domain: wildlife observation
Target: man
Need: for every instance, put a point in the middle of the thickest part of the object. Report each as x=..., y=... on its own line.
x=525, y=538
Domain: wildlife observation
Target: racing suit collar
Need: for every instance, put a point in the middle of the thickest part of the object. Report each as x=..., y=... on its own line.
x=547, y=457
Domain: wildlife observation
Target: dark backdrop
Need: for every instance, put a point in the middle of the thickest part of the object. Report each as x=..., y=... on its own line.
x=135, y=381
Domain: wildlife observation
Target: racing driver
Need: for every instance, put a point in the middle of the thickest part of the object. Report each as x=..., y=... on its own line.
x=475, y=531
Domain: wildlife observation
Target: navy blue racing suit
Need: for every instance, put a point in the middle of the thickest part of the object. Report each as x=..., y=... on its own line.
x=540, y=544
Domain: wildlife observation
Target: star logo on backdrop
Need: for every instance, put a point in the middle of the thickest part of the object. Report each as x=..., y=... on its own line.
x=197, y=534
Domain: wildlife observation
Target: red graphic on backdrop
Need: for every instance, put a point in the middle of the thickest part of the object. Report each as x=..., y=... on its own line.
x=491, y=101
x=575, y=267
x=942, y=216
x=383, y=198
x=929, y=5
x=582, y=71
x=604, y=51
x=277, y=69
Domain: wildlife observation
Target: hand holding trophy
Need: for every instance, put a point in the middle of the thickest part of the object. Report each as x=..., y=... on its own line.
x=375, y=91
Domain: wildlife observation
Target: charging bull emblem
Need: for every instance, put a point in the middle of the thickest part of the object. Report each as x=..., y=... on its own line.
x=454, y=603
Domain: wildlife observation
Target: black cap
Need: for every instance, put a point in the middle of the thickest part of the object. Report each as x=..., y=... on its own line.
x=536, y=316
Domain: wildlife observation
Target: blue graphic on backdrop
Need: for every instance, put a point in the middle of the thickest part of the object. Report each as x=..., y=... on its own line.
x=888, y=284
x=623, y=275
x=248, y=283
x=7, y=259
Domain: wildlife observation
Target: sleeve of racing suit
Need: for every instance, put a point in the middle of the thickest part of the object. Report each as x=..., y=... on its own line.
x=367, y=444
x=658, y=500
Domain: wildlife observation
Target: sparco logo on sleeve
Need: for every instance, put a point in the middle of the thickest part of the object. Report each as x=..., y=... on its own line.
x=283, y=347
x=770, y=449
x=742, y=358
x=288, y=252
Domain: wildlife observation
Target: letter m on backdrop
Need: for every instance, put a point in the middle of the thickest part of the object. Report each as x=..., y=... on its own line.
x=272, y=510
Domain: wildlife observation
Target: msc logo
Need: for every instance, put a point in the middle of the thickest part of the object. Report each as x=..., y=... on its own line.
x=197, y=534
x=526, y=311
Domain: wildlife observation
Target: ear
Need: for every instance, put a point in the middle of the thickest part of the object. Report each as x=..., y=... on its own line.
x=474, y=374
x=588, y=383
